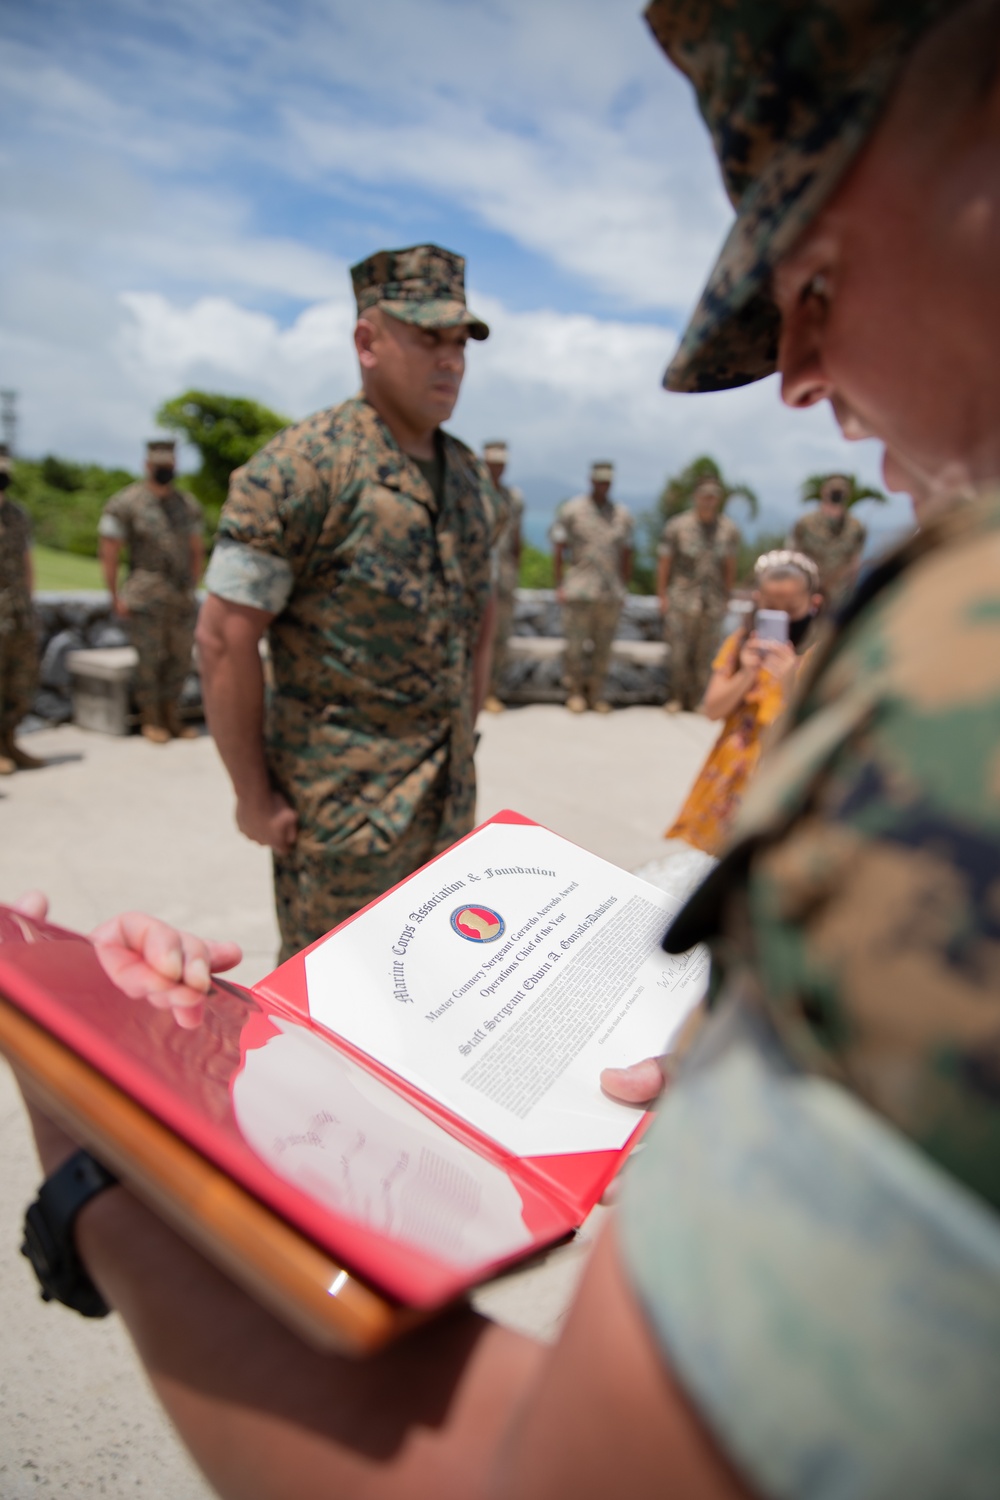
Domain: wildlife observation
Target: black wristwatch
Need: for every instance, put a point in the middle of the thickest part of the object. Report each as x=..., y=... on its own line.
x=48, y=1234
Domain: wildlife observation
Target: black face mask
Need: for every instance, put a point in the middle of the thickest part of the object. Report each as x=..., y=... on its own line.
x=799, y=629
x=4, y=481
x=163, y=473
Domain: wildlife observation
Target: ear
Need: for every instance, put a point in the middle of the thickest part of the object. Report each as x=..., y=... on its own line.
x=365, y=338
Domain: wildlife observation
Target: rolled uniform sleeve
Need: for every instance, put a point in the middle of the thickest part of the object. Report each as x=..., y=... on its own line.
x=275, y=507
x=828, y=1296
x=112, y=524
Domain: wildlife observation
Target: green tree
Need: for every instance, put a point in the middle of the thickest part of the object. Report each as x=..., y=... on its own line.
x=678, y=492
x=65, y=500
x=536, y=568
x=226, y=430
x=811, y=489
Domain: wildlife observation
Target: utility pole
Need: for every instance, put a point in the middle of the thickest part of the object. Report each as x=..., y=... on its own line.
x=8, y=420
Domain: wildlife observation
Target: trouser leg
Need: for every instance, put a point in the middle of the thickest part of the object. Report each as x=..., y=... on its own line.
x=314, y=890
x=576, y=629
x=604, y=623
x=147, y=631
x=704, y=647
x=682, y=632
x=505, y=621
x=18, y=678
x=178, y=639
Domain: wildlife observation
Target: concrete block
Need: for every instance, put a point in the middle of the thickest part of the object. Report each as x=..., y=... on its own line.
x=100, y=688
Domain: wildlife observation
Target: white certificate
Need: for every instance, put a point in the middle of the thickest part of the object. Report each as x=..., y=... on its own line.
x=504, y=977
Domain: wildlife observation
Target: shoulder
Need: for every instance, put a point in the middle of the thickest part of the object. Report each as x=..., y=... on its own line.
x=315, y=454
x=127, y=499
x=729, y=530
x=192, y=506
x=623, y=516
x=855, y=525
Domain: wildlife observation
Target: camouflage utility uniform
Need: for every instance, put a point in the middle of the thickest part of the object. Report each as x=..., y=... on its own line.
x=18, y=639
x=159, y=590
x=596, y=539
x=696, y=598
x=835, y=543
x=379, y=587
x=853, y=1052
x=508, y=563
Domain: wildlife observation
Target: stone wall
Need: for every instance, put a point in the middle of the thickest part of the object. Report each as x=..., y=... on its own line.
x=74, y=621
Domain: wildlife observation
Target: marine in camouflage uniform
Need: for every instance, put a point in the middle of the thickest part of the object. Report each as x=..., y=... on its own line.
x=814, y=1225
x=508, y=571
x=698, y=558
x=833, y=537
x=18, y=637
x=162, y=527
x=377, y=569
x=594, y=536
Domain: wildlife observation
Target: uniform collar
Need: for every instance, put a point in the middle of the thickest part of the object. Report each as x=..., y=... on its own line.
x=395, y=469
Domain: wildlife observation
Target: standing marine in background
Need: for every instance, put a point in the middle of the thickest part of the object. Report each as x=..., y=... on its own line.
x=697, y=569
x=18, y=640
x=508, y=570
x=162, y=528
x=833, y=537
x=592, y=542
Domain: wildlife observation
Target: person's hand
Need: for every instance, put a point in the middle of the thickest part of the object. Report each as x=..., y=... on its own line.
x=271, y=822
x=119, y=609
x=661, y=600
x=780, y=660
x=560, y=595
x=642, y=1083
x=752, y=654
x=149, y=960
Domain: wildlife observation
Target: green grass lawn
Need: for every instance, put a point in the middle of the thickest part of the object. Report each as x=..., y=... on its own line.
x=65, y=570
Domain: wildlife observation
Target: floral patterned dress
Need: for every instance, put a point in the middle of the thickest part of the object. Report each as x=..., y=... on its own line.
x=714, y=800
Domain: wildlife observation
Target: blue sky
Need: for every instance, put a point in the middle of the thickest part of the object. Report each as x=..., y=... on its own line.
x=184, y=186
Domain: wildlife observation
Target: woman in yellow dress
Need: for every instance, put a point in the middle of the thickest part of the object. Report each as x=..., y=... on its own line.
x=750, y=682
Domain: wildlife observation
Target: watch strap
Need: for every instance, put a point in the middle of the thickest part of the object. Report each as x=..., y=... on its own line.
x=48, y=1233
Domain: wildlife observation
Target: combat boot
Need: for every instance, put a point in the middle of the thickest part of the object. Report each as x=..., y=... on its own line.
x=493, y=705
x=576, y=703
x=20, y=759
x=176, y=727
x=7, y=766
x=151, y=729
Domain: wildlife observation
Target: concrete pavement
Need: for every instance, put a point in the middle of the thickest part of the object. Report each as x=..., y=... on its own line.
x=114, y=824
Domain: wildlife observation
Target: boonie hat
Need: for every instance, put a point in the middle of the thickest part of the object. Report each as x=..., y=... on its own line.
x=602, y=471
x=790, y=91
x=423, y=285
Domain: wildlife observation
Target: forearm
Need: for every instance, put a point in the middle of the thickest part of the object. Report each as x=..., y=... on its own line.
x=483, y=657
x=233, y=693
x=662, y=578
x=232, y=683
x=265, y=1416
x=557, y=566
x=109, y=553
x=727, y=693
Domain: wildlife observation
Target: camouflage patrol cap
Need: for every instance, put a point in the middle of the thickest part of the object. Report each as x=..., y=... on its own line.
x=6, y=467
x=161, y=450
x=423, y=284
x=790, y=91
x=602, y=471
x=495, y=452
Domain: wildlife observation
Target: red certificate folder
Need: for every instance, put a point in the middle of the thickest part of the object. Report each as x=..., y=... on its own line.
x=162, y=1105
